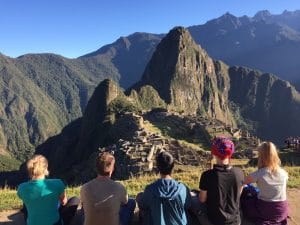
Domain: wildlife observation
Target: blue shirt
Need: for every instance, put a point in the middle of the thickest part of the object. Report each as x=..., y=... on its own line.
x=41, y=199
x=166, y=200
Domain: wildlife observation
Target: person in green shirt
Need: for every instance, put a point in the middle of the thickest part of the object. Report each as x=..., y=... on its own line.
x=45, y=200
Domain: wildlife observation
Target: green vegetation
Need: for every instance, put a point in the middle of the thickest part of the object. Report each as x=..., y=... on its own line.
x=8, y=163
x=190, y=145
x=9, y=200
x=122, y=105
x=39, y=95
x=240, y=121
x=176, y=128
x=290, y=158
x=149, y=98
x=185, y=174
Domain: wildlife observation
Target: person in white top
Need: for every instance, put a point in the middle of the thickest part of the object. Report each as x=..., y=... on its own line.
x=270, y=206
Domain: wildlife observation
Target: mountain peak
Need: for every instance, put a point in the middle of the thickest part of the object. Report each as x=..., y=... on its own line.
x=178, y=29
x=227, y=21
x=161, y=69
x=262, y=15
x=228, y=15
x=107, y=90
x=184, y=76
x=179, y=34
x=123, y=42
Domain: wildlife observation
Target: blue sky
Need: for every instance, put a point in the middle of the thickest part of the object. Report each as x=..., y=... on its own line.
x=72, y=28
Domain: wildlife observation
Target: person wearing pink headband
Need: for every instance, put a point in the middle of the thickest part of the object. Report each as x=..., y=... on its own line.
x=220, y=187
x=222, y=148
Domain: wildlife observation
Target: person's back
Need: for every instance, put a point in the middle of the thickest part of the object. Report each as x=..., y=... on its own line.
x=101, y=199
x=270, y=206
x=165, y=201
x=223, y=196
x=41, y=199
x=272, y=186
x=220, y=188
x=44, y=200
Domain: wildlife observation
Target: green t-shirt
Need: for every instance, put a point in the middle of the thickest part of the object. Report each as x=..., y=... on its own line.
x=41, y=198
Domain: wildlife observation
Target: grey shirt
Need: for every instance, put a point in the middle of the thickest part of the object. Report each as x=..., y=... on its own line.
x=272, y=186
x=101, y=200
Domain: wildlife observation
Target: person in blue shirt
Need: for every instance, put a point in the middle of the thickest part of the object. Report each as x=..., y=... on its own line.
x=165, y=201
x=42, y=197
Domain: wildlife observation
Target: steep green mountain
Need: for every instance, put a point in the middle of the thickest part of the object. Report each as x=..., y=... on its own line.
x=272, y=104
x=28, y=116
x=128, y=56
x=186, y=78
x=183, y=81
x=102, y=123
x=266, y=42
x=39, y=95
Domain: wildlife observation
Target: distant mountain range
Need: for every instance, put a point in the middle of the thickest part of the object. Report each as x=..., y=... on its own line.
x=41, y=93
x=265, y=42
x=179, y=78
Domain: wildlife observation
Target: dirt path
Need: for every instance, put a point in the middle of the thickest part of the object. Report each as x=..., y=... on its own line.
x=294, y=206
x=14, y=217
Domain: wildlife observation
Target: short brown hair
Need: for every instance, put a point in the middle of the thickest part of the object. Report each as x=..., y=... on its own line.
x=105, y=163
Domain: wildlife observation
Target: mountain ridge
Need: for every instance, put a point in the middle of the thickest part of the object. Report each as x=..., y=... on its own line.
x=41, y=93
x=111, y=115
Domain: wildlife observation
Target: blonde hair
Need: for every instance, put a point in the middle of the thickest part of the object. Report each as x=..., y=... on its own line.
x=268, y=156
x=105, y=163
x=37, y=166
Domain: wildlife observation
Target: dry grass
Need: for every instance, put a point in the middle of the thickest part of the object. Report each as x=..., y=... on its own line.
x=188, y=175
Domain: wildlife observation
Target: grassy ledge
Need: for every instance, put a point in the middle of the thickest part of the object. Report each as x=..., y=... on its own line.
x=186, y=174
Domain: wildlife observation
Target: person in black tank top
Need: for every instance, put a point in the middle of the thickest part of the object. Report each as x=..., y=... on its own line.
x=220, y=187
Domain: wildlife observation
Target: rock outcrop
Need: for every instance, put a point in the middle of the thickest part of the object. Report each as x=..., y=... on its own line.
x=269, y=103
x=108, y=110
x=186, y=78
x=204, y=97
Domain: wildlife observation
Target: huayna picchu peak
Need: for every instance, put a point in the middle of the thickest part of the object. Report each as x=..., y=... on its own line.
x=48, y=91
x=187, y=96
x=186, y=77
x=178, y=73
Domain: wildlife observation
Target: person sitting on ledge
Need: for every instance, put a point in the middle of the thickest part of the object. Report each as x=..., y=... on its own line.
x=270, y=205
x=42, y=197
x=218, y=201
x=165, y=201
x=105, y=201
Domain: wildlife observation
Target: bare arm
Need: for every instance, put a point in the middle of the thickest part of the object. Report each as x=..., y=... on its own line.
x=63, y=198
x=249, y=180
x=202, y=196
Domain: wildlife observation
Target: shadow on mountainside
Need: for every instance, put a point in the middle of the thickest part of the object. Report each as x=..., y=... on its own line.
x=12, y=179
